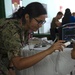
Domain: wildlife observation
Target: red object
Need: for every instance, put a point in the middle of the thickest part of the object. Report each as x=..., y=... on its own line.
x=60, y=8
x=17, y=1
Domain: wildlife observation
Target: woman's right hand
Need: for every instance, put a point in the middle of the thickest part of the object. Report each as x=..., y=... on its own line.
x=58, y=45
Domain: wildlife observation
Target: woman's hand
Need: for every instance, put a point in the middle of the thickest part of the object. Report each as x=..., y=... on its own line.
x=58, y=45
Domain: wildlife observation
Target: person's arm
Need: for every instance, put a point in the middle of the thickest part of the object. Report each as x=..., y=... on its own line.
x=25, y=62
x=58, y=23
x=73, y=52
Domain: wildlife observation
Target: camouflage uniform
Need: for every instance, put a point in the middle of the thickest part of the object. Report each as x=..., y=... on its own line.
x=12, y=39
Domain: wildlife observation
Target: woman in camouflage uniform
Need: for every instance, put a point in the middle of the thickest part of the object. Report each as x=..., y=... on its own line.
x=14, y=34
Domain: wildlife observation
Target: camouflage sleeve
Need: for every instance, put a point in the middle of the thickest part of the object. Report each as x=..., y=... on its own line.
x=10, y=40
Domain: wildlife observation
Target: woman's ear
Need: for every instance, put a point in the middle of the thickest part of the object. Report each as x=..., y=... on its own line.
x=27, y=17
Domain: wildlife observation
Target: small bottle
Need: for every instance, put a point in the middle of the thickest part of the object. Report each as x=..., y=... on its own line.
x=66, y=44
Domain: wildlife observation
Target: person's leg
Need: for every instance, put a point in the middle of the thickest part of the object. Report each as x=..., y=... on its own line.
x=53, y=34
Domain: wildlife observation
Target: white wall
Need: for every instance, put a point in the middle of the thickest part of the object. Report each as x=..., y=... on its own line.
x=8, y=7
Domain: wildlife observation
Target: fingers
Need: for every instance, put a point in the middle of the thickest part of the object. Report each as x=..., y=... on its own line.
x=59, y=45
x=61, y=41
x=62, y=46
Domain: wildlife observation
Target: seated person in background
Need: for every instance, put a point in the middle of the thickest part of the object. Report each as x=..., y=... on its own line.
x=73, y=14
x=68, y=18
x=54, y=24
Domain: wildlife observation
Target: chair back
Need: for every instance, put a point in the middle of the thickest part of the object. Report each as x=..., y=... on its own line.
x=68, y=32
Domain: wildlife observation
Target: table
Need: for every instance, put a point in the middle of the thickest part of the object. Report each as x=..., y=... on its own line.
x=54, y=64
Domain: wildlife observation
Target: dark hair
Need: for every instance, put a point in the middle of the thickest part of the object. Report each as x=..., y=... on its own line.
x=59, y=13
x=33, y=9
x=67, y=15
x=18, y=14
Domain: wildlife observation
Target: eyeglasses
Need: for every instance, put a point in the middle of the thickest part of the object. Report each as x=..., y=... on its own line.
x=40, y=22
